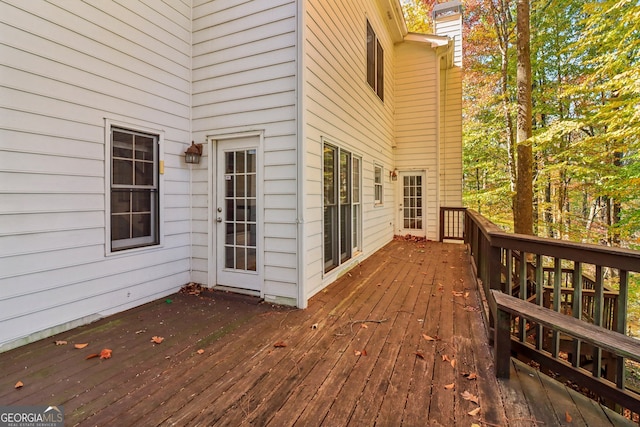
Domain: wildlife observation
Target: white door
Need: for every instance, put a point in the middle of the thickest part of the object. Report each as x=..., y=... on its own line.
x=411, y=209
x=237, y=214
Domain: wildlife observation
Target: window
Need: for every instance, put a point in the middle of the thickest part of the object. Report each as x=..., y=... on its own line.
x=134, y=206
x=341, y=207
x=375, y=63
x=378, y=197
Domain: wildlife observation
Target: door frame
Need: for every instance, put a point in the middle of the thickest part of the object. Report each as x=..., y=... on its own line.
x=212, y=197
x=399, y=200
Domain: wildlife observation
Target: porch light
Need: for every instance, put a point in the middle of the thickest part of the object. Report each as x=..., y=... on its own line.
x=193, y=153
x=393, y=175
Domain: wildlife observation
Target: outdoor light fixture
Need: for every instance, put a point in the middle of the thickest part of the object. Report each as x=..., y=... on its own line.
x=193, y=153
x=394, y=175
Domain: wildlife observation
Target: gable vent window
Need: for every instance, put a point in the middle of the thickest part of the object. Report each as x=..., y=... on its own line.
x=375, y=63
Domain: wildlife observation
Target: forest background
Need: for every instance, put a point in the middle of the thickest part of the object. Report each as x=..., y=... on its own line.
x=585, y=117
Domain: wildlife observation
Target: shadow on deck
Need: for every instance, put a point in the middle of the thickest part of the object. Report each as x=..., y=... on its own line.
x=397, y=341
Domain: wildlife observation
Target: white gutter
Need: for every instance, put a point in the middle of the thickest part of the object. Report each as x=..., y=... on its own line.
x=300, y=147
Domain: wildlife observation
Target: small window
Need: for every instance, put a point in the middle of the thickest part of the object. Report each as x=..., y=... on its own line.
x=134, y=201
x=378, y=196
x=375, y=63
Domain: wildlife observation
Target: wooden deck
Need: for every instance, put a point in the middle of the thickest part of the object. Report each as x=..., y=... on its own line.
x=361, y=354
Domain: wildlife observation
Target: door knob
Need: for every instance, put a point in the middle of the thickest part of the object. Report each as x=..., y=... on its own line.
x=219, y=219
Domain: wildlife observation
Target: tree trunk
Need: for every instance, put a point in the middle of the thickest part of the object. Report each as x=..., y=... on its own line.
x=523, y=219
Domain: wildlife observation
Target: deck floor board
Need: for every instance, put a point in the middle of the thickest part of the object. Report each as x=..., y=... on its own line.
x=367, y=361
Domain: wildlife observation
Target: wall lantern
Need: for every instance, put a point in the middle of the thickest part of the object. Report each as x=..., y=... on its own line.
x=193, y=153
x=394, y=175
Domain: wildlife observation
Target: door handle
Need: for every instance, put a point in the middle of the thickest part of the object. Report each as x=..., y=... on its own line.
x=218, y=219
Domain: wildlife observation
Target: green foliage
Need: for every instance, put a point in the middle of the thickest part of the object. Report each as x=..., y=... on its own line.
x=586, y=117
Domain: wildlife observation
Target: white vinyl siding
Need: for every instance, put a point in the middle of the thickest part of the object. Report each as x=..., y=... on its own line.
x=340, y=105
x=66, y=66
x=244, y=80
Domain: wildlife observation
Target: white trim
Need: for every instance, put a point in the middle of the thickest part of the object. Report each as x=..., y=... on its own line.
x=300, y=153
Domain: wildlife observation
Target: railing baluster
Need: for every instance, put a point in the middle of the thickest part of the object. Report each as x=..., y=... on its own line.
x=577, y=307
x=557, y=298
x=509, y=275
x=621, y=327
x=523, y=294
x=597, y=319
x=539, y=299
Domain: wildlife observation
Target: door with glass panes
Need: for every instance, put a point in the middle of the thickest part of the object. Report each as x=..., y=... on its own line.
x=411, y=209
x=236, y=215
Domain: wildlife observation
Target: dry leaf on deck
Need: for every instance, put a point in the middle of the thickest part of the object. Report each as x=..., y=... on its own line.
x=364, y=352
x=60, y=342
x=19, y=384
x=466, y=294
x=280, y=344
x=445, y=358
x=453, y=363
x=105, y=353
x=474, y=412
x=362, y=325
x=357, y=353
x=568, y=417
x=92, y=356
x=156, y=339
x=200, y=351
x=428, y=338
x=470, y=397
x=80, y=346
x=457, y=294
x=420, y=355
x=449, y=386
x=470, y=376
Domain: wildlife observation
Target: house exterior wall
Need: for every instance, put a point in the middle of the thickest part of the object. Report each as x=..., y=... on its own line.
x=451, y=114
x=67, y=67
x=244, y=81
x=340, y=108
x=416, y=121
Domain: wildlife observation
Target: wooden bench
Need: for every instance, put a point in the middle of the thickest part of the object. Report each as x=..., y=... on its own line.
x=506, y=305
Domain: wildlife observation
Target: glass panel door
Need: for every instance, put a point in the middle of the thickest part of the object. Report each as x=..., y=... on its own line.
x=411, y=210
x=236, y=218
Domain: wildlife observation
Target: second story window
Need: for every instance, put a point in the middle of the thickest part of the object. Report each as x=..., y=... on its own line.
x=375, y=63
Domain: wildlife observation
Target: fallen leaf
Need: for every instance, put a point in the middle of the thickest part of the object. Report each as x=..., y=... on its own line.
x=457, y=294
x=314, y=326
x=200, y=351
x=19, y=384
x=357, y=353
x=453, y=363
x=156, y=339
x=105, y=354
x=450, y=386
x=445, y=358
x=470, y=397
x=474, y=424
x=466, y=294
x=568, y=417
x=363, y=326
x=364, y=352
x=474, y=413
x=61, y=343
x=428, y=338
x=420, y=355
x=470, y=376
x=80, y=346
x=280, y=344
x=91, y=356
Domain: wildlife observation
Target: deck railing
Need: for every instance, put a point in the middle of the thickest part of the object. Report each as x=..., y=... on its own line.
x=543, y=280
